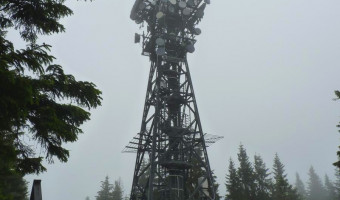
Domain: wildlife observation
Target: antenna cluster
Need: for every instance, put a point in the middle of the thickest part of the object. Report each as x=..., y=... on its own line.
x=172, y=161
x=171, y=25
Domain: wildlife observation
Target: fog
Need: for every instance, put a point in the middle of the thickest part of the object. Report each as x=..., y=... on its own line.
x=264, y=74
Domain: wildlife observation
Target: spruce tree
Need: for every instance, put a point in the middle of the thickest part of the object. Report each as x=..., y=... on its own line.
x=337, y=163
x=246, y=175
x=37, y=99
x=300, y=187
x=316, y=191
x=117, y=192
x=106, y=190
x=143, y=179
x=216, y=186
x=233, y=184
x=282, y=190
x=330, y=189
x=262, y=181
x=194, y=174
x=337, y=183
x=14, y=187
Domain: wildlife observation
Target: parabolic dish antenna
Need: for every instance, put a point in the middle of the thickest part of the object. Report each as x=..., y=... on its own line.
x=159, y=15
x=186, y=11
x=198, y=31
x=191, y=3
x=173, y=2
x=182, y=4
x=190, y=48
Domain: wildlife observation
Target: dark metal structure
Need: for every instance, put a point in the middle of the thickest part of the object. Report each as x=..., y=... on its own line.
x=172, y=161
x=36, y=190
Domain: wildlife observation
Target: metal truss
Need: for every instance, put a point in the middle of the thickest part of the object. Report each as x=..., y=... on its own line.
x=172, y=161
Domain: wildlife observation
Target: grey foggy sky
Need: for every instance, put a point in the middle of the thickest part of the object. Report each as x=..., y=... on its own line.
x=264, y=74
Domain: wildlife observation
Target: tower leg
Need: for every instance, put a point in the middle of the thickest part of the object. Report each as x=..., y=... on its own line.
x=171, y=139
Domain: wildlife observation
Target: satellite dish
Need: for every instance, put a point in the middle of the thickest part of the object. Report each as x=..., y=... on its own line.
x=191, y=3
x=207, y=1
x=182, y=4
x=159, y=15
x=190, y=48
x=173, y=2
x=160, y=41
x=186, y=11
x=197, y=31
x=160, y=51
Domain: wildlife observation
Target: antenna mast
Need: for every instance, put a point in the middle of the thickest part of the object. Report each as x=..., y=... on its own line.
x=172, y=161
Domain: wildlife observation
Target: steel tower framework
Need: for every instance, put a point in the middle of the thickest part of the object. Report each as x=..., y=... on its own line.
x=172, y=161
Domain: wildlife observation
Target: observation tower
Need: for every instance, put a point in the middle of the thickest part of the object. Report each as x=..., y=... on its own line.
x=172, y=161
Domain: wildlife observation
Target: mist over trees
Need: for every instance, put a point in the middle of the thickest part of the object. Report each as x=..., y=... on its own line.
x=253, y=180
x=315, y=188
x=263, y=183
x=330, y=190
x=42, y=103
x=110, y=191
x=337, y=183
x=282, y=189
x=300, y=187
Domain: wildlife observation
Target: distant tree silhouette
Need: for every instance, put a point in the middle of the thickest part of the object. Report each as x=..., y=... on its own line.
x=117, y=192
x=233, y=183
x=330, y=189
x=245, y=173
x=143, y=179
x=262, y=180
x=194, y=174
x=316, y=190
x=105, y=193
x=300, y=187
x=216, y=186
x=254, y=181
x=337, y=183
x=282, y=190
